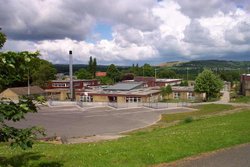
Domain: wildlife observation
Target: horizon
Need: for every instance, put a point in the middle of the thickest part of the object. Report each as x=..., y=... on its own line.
x=119, y=32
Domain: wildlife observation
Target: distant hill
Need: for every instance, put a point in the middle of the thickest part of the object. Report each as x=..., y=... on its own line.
x=222, y=64
x=170, y=64
x=64, y=68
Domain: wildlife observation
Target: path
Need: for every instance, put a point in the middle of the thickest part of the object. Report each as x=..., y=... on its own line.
x=238, y=156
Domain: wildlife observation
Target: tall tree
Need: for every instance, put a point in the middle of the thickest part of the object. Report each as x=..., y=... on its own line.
x=209, y=83
x=113, y=73
x=94, y=67
x=167, y=90
x=13, y=68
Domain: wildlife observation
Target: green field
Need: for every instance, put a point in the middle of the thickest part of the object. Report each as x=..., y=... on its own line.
x=140, y=148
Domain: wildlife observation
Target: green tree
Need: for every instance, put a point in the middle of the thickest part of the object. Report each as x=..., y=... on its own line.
x=209, y=83
x=165, y=73
x=83, y=74
x=14, y=68
x=94, y=67
x=106, y=80
x=167, y=90
x=184, y=83
x=113, y=73
x=42, y=73
x=147, y=70
x=2, y=39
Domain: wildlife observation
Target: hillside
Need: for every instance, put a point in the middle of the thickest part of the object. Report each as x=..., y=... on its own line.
x=222, y=64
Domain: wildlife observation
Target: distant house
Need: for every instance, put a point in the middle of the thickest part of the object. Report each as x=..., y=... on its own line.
x=185, y=93
x=151, y=81
x=100, y=74
x=134, y=92
x=59, y=89
x=245, y=84
x=17, y=92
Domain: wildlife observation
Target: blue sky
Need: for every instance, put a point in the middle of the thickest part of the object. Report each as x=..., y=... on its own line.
x=127, y=32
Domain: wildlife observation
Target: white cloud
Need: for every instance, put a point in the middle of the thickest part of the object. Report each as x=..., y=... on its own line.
x=143, y=31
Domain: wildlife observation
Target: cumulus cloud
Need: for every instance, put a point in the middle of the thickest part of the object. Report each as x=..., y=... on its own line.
x=143, y=31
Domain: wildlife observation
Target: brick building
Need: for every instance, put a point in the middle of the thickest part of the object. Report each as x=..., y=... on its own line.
x=245, y=84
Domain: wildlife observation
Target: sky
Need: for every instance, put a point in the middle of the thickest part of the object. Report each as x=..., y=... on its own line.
x=127, y=32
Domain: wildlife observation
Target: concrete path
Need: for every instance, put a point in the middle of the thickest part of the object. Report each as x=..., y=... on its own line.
x=238, y=156
x=71, y=121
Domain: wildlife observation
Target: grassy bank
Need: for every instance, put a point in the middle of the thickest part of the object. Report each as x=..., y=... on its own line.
x=141, y=148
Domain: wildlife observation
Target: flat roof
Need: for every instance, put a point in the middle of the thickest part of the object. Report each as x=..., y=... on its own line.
x=168, y=80
x=183, y=88
x=134, y=92
x=124, y=86
x=75, y=80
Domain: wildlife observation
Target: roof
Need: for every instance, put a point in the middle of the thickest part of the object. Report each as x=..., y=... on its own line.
x=75, y=80
x=134, y=92
x=100, y=74
x=183, y=88
x=124, y=86
x=24, y=90
x=168, y=80
x=140, y=78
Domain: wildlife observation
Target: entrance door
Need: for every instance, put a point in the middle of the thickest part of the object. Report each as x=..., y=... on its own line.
x=112, y=98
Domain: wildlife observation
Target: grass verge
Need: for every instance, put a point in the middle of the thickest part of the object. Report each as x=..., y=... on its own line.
x=141, y=148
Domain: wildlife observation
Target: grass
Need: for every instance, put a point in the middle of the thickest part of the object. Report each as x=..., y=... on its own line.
x=241, y=99
x=141, y=148
x=202, y=110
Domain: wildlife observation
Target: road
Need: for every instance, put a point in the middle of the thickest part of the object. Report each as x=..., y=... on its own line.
x=71, y=121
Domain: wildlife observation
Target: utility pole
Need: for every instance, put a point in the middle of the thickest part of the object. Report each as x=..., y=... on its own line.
x=71, y=75
x=28, y=82
x=155, y=72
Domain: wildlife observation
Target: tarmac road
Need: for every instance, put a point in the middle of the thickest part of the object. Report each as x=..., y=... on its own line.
x=71, y=121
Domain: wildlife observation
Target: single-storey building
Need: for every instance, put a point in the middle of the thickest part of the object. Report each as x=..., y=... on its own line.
x=59, y=89
x=245, y=84
x=152, y=81
x=123, y=93
x=16, y=92
x=185, y=93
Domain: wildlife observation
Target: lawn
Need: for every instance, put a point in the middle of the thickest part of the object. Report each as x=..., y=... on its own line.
x=140, y=148
x=202, y=110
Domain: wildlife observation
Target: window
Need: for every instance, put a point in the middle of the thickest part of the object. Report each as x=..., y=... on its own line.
x=86, y=99
x=60, y=84
x=133, y=99
x=176, y=95
x=190, y=95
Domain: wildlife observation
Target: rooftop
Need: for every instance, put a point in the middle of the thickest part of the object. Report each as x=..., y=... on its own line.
x=24, y=90
x=168, y=80
x=124, y=86
x=183, y=88
x=134, y=92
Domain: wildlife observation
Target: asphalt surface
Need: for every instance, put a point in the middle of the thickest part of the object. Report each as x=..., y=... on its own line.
x=71, y=121
x=238, y=156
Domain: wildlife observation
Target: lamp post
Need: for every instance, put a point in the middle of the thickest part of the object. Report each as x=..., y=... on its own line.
x=71, y=75
x=28, y=82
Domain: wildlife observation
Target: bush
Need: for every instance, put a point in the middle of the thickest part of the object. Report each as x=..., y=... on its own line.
x=188, y=120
